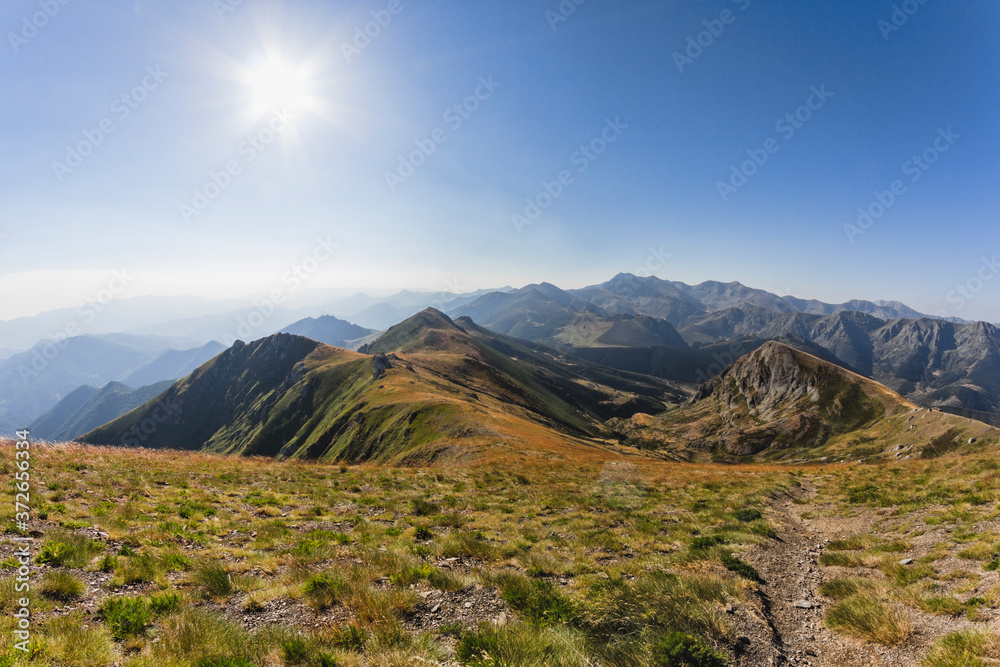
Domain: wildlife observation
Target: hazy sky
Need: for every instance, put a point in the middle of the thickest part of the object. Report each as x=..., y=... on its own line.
x=211, y=147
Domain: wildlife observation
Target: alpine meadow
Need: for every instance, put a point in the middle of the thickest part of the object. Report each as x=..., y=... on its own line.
x=530, y=334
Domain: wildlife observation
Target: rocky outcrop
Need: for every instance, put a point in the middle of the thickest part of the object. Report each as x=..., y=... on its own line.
x=778, y=397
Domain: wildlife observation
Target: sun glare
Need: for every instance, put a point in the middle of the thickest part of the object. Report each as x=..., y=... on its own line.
x=276, y=85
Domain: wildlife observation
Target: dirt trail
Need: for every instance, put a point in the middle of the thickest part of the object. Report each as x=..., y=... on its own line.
x=790, y=603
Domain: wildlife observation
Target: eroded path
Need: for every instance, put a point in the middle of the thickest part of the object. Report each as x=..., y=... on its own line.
x=789, y=599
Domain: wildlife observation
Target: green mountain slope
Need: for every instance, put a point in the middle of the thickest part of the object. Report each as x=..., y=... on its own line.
x=71, y=418
x=429, y=389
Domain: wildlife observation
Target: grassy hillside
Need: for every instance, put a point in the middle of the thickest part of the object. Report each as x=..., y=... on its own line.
x=440, y=392
x=186, y=559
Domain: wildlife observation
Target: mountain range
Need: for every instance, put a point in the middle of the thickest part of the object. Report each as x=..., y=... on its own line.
x=87, y=408
x=682, y=334
x=433, y=389
x=934, y=362
x=331, y=331
x=429, y=389
x=33, y=382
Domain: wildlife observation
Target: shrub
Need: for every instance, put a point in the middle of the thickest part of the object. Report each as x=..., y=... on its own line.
x=422, y=534
x=682, y=650
x=537, y=600
x=125, y=617
x=164, y=603
x=68, y=550
x=295, y=651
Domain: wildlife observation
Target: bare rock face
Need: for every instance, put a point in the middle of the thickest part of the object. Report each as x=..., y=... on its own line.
x=380, y=364
x=777, y=397
x=769, y=379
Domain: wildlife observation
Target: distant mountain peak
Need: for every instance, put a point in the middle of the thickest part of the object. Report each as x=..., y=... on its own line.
x=780, y=403
x=430, y=328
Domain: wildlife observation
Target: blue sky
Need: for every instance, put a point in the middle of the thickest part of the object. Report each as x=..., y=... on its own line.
x=605, y=78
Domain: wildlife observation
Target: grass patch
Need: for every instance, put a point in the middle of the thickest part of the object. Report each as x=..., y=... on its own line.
x=748, y=514
x=68, y=550
x=742, y=568
x=538, y=601
x=61, y=586
x=70, y=640
x=867, y=618
x=840, y=559
x=523, y=645
x=214, y=580
x=325, y=590
x=841, y=588
x=966, y=648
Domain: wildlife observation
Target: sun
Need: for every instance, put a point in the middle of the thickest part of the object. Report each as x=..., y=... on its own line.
x=277, y=86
